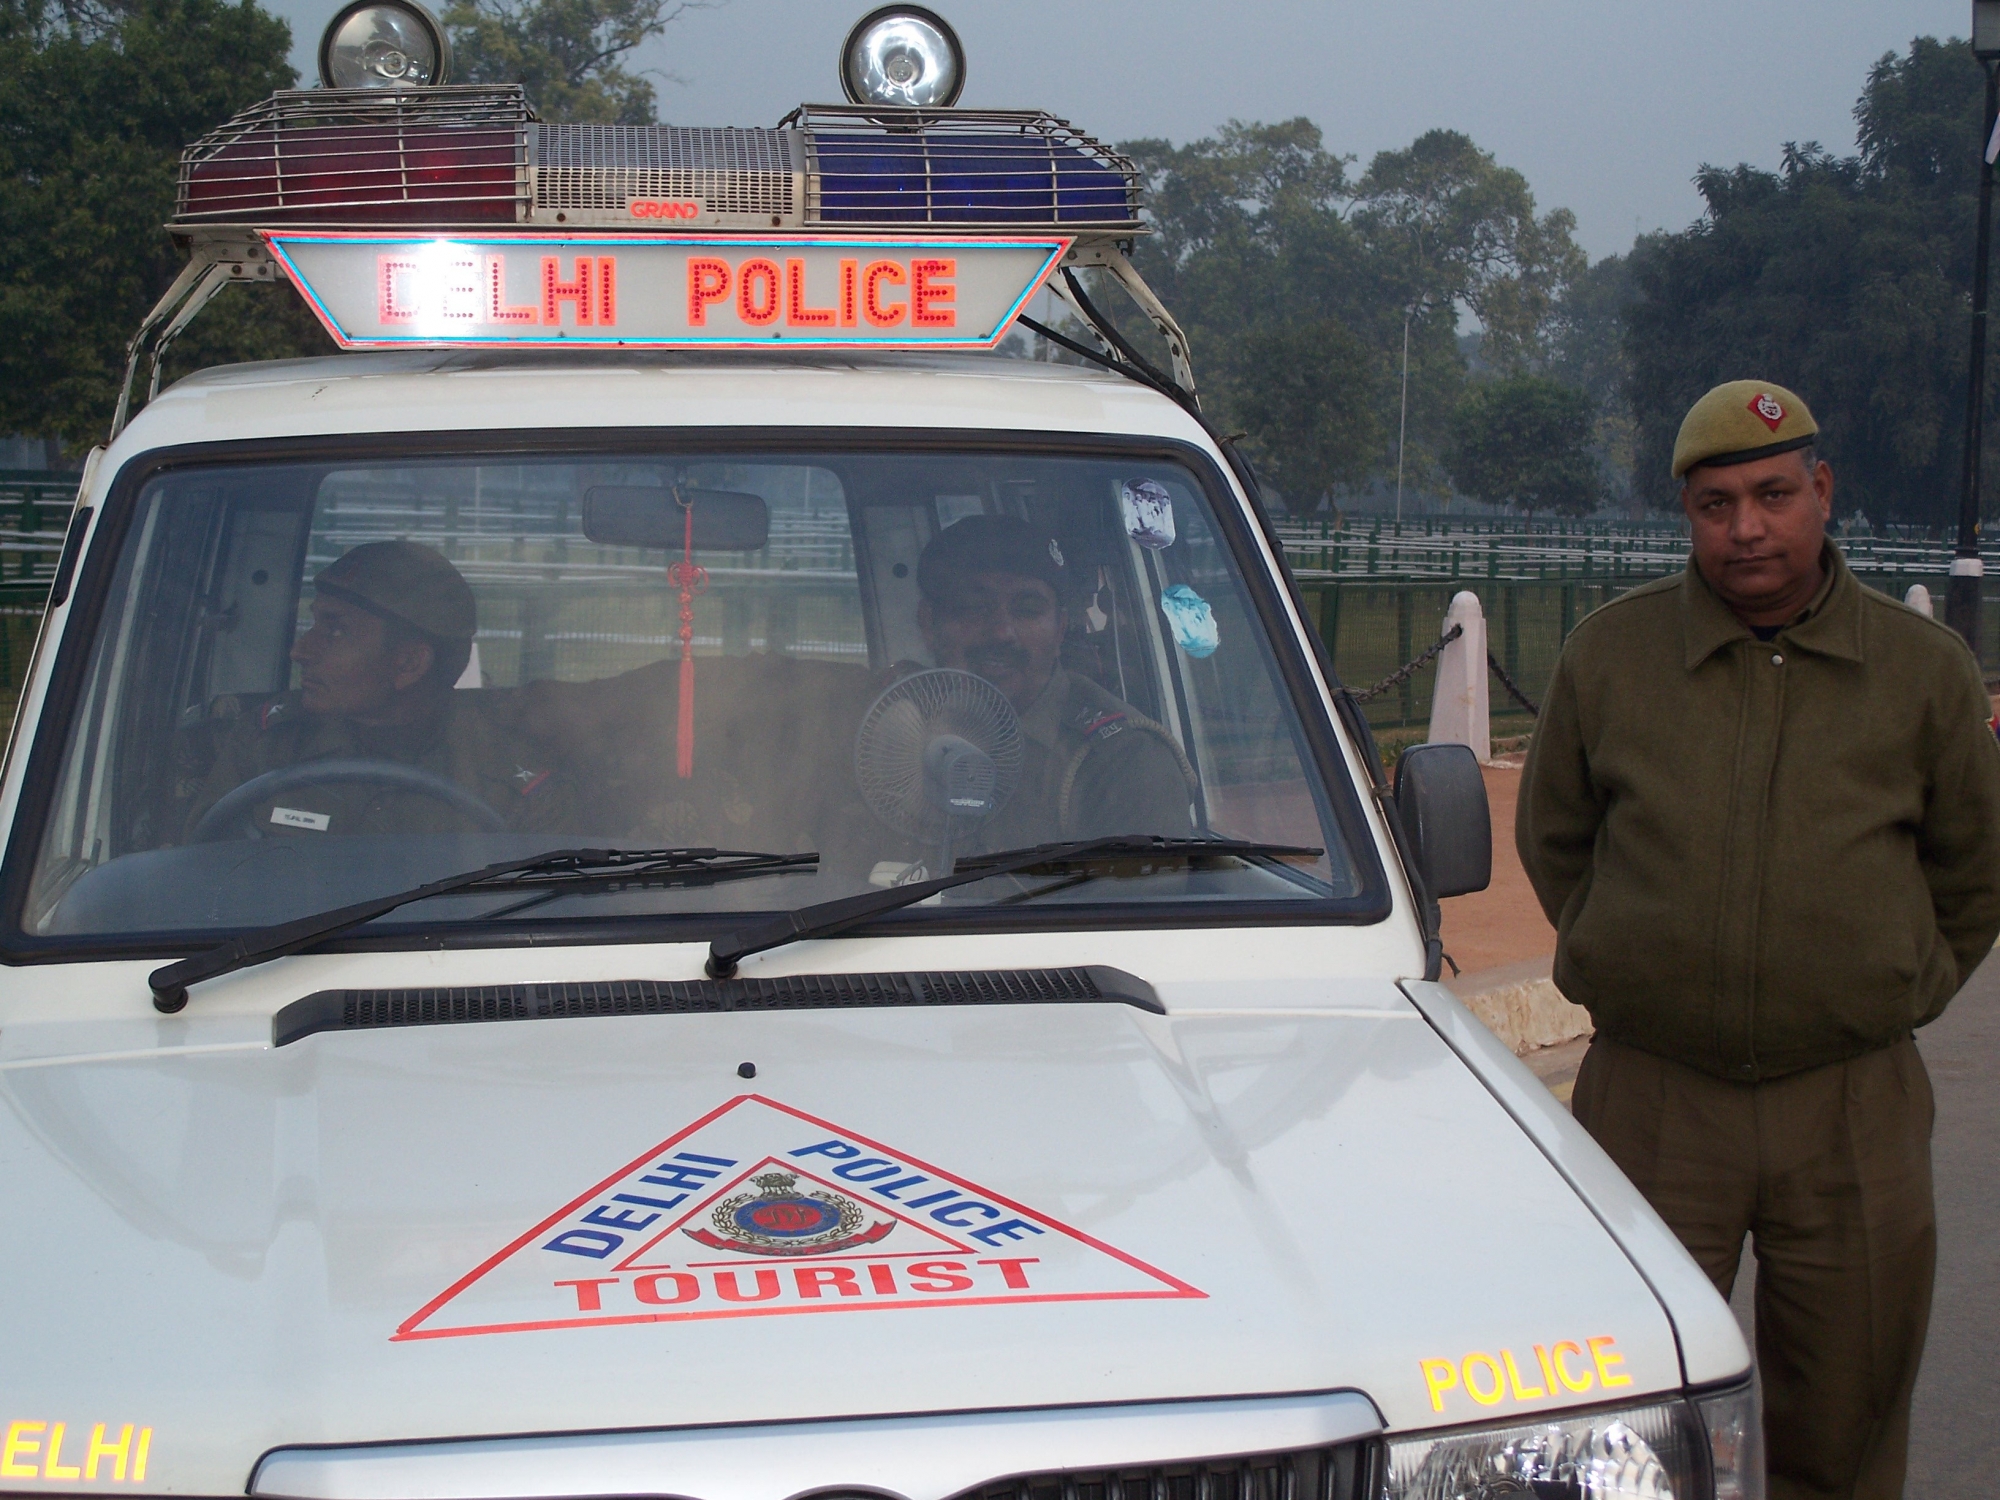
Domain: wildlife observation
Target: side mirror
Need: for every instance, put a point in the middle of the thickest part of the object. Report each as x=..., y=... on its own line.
x=620, y=515
x=1442, y=798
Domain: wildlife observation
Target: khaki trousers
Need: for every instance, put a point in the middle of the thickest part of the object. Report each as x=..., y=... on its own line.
x=1829, y=1172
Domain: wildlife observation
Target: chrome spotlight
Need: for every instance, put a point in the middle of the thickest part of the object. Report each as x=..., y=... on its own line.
x=903, y=54
x=384, y=44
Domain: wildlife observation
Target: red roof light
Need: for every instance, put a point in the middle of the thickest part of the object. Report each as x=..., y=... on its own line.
x=441, y=156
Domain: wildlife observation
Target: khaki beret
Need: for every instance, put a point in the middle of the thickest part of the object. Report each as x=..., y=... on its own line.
x=406, y=582
x=1741, y=422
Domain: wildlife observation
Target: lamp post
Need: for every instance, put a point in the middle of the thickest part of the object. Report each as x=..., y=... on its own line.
x=1961, y=609
x=1403, y=421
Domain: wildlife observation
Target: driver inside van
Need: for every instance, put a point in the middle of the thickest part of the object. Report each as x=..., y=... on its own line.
x=995, y=602
x=392, y=629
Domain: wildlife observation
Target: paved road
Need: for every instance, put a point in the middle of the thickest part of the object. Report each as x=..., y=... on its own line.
x=1955, y=1437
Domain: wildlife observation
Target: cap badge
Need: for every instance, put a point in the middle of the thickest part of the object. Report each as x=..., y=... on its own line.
x=1055, y=553
x=1767, y=410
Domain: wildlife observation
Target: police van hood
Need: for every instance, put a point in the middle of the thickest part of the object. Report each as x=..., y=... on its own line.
x=573, y=1225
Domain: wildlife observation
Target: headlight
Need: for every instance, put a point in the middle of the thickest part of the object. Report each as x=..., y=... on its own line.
x=383, y=44
x=1705, y=1449
x=903, y=54
x=1735, y=1431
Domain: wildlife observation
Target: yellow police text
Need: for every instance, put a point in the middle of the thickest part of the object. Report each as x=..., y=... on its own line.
x=1564, y=1368
x=75, y=1453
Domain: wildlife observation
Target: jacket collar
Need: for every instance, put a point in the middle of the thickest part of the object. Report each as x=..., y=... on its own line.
x=1042, y=720
x=1829, y=626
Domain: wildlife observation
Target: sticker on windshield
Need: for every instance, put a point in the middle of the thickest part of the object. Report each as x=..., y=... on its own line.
x=1193, y=621
x=1149, y=512
x=759, y=1209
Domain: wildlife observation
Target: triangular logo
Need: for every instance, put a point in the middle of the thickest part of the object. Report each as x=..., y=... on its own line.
x=759, y=1209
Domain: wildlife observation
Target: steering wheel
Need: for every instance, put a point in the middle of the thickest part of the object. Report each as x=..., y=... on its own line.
x=387, y=774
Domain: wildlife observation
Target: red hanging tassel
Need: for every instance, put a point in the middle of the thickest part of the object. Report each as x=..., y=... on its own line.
x=684, y=734
x=690, y=580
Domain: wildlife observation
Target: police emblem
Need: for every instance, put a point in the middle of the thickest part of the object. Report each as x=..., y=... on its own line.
x=1767, y=409
x=782, y=1220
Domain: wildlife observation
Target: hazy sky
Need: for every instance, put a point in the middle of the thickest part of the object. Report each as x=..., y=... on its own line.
x=1607, y=106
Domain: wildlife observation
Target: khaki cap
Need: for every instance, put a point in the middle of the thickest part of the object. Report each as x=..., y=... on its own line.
x=406, y=582
x=1740, y=422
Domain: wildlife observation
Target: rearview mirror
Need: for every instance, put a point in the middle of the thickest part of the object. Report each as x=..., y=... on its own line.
x=621, y=515
x=1442, y=798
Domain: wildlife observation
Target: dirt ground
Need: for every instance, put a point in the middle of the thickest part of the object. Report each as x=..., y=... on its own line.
x=1502, y=924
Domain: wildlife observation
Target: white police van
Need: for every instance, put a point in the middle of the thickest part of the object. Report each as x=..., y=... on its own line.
x=681, y=972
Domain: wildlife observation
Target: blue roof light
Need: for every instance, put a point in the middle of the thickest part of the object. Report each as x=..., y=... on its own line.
x=967, y=180
x=962, y=167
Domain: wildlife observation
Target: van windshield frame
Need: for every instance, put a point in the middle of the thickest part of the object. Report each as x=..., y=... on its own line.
x=1237, y=533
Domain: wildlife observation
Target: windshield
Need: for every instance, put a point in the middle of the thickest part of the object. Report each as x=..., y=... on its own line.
x=313, y=682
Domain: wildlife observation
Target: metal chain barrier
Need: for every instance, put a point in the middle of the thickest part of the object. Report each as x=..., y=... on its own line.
x=1404, y=673
x=1508, y=683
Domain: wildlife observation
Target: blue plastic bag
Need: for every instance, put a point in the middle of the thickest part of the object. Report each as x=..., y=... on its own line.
x=1195, y=630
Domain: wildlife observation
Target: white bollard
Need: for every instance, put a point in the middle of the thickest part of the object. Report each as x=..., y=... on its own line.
x=1919, y=599
x=471, y=677
x=1460, y=709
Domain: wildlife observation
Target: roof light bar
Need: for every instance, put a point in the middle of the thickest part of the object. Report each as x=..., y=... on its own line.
x=409, y=211
x=474, y=155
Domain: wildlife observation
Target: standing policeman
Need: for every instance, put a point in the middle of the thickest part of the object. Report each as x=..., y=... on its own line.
x=1762, y=809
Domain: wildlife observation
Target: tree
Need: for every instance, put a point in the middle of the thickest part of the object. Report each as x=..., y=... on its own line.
x=1252, y=252
x=1524, y=440
x=1292, y=281
x=566, y=53
x=95, y=106
x=1586, y=351
x=1314, y=419
x=1846, y=278
x=1465, y=228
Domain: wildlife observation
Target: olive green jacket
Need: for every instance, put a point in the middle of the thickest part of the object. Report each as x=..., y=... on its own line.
x=1760, y=856
x=1091, y=766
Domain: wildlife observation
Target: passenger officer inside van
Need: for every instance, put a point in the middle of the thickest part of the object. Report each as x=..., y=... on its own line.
x=995, y=594
x=392, y=628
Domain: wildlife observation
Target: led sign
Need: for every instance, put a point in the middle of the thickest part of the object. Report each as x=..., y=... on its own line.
x=375, y=291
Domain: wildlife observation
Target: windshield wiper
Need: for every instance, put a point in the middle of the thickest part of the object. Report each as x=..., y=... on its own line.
x=830, y=917
x=558, y=866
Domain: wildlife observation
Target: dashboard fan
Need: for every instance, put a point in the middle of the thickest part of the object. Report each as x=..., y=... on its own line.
x=937, y=755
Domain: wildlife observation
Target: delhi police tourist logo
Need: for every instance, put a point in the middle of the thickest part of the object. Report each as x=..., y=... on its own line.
x=781, y=1220
x=729, y=1217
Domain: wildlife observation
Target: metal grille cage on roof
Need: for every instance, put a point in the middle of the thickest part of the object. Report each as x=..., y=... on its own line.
x=867, y=165
x=726, y=171
x=666, y=148
x=330, y=156
x=473, y=154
